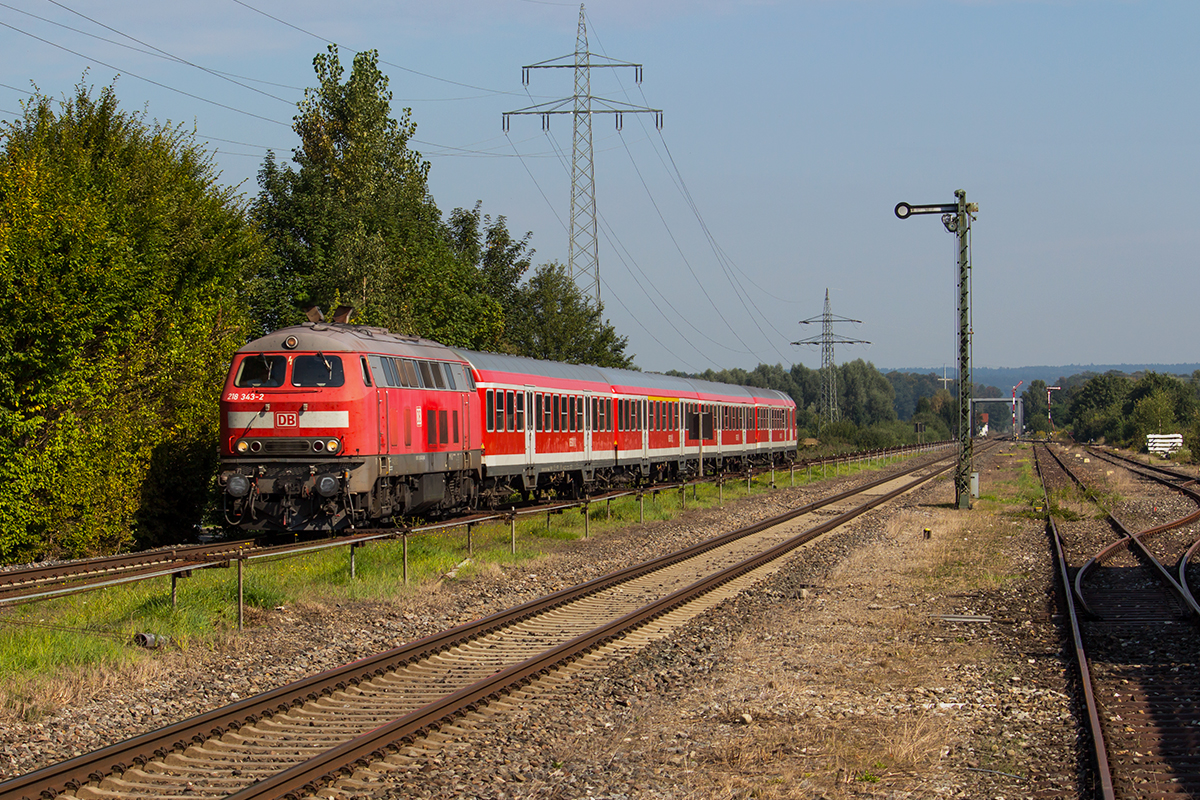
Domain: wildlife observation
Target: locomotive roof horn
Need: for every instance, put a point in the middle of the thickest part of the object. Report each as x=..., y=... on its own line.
x=314, y=314
x=343, y=314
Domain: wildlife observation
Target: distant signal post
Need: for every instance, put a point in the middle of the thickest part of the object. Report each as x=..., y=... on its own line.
x=957, y=219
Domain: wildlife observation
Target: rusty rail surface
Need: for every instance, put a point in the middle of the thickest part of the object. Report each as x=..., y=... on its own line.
x=139, y=750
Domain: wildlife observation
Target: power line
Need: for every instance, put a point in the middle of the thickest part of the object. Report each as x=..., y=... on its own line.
x=142, y=77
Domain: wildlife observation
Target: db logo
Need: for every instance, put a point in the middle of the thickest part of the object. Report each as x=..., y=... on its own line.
x=288, y=420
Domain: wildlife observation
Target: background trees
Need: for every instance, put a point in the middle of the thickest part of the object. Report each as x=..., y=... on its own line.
x=353, y=221
x=120, y=265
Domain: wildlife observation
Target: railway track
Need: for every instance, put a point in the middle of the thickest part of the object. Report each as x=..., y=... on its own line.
x=1134, y=627
x=322, y=731
x=40, y=581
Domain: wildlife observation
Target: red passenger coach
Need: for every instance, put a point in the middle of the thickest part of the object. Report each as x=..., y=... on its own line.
x=326, y=426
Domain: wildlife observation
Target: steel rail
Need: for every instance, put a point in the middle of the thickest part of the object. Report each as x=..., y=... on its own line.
x=1178, y=587
x=118, y=757
x=1099, y=747
x=307, y=777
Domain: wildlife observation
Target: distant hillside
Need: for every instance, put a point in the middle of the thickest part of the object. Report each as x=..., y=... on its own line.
x=1004, y=377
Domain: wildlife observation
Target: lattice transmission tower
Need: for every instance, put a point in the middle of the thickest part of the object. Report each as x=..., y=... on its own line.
x=829, y=396
x=583, y=255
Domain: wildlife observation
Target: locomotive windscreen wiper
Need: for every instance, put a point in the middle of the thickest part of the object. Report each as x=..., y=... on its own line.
x=325, y=361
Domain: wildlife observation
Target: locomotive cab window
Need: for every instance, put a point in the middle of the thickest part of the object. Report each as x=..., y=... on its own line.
x=261, y=370
x=318, y=370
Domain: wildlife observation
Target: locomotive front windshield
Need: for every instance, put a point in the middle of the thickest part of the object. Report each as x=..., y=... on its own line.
x=261, y=370
x=318, y=370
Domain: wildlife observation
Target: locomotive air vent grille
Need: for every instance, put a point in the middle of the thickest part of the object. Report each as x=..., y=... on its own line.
x=287, y=446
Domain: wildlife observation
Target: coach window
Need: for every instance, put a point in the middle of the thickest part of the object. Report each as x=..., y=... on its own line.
x=579, y=413
x=565, y=410
x=261, y=370
x=318, y=370
x=553, y=426
x=510, y=405
x=537, y=411
x=520, y=411
x=500, y=410
x=489, y=415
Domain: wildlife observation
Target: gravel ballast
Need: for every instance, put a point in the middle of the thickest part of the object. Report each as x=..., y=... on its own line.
x=881, y=662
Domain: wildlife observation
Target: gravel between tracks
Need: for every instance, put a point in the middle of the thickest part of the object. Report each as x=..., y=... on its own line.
x=835, y=678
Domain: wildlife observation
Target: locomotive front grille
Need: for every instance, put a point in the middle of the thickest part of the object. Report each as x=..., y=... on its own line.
x=284, y=446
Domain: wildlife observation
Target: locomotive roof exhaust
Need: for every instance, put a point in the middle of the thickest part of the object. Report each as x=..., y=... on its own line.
x=341, y=316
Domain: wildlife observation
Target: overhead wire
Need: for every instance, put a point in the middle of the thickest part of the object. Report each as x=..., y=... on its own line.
x=144, y=78
x=153, y=51
x=617, y=245
x=738, y=290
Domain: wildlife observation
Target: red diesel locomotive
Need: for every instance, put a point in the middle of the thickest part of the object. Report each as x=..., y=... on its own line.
x=328, y=425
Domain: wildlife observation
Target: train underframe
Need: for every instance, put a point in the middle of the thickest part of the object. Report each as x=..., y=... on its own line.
x=300, y=497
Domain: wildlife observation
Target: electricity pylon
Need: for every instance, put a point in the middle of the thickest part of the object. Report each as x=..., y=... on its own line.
x=583, y=256
x=828, y=407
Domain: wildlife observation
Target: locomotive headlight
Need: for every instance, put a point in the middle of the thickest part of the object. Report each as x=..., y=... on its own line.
x=243, y=446
x=255, y=447
x=238, y=485
x=318, y=445
x=333, y=445
x=327, y=485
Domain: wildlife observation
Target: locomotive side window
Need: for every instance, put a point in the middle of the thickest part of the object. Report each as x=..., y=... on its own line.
x=318, y=370
x=408, y=369
x=261, y=370
x=443, y=429
x=450, y=375
x=455, y=426
x=430, y=427
x=390, y=378
x=366, y=371
x=426, y=377
x=439, y=377
x=408, y=427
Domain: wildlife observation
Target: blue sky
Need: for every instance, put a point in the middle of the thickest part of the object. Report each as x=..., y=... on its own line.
x=794, y=127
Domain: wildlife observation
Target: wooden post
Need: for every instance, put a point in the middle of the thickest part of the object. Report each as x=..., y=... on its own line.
x=352, y=572
x=641, y=507
x=587, y=521
x=512, y=525
x=404, y=537
x=174, y=596
x=470, y=541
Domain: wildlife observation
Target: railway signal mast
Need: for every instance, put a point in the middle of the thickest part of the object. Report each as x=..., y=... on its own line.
x=957, y=219
x=827, y=339
x=583, y=255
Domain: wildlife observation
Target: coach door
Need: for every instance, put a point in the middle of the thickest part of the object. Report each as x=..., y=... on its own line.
x=527, y=422
x=589, y=424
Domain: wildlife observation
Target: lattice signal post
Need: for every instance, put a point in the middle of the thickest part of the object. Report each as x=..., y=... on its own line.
x=583, y=255
x=957, y=219
x=827, y=339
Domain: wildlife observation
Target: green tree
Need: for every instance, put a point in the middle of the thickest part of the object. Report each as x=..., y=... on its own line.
x=500, y=261
x=554, y=321
x=354, y=222
x=120, y=262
